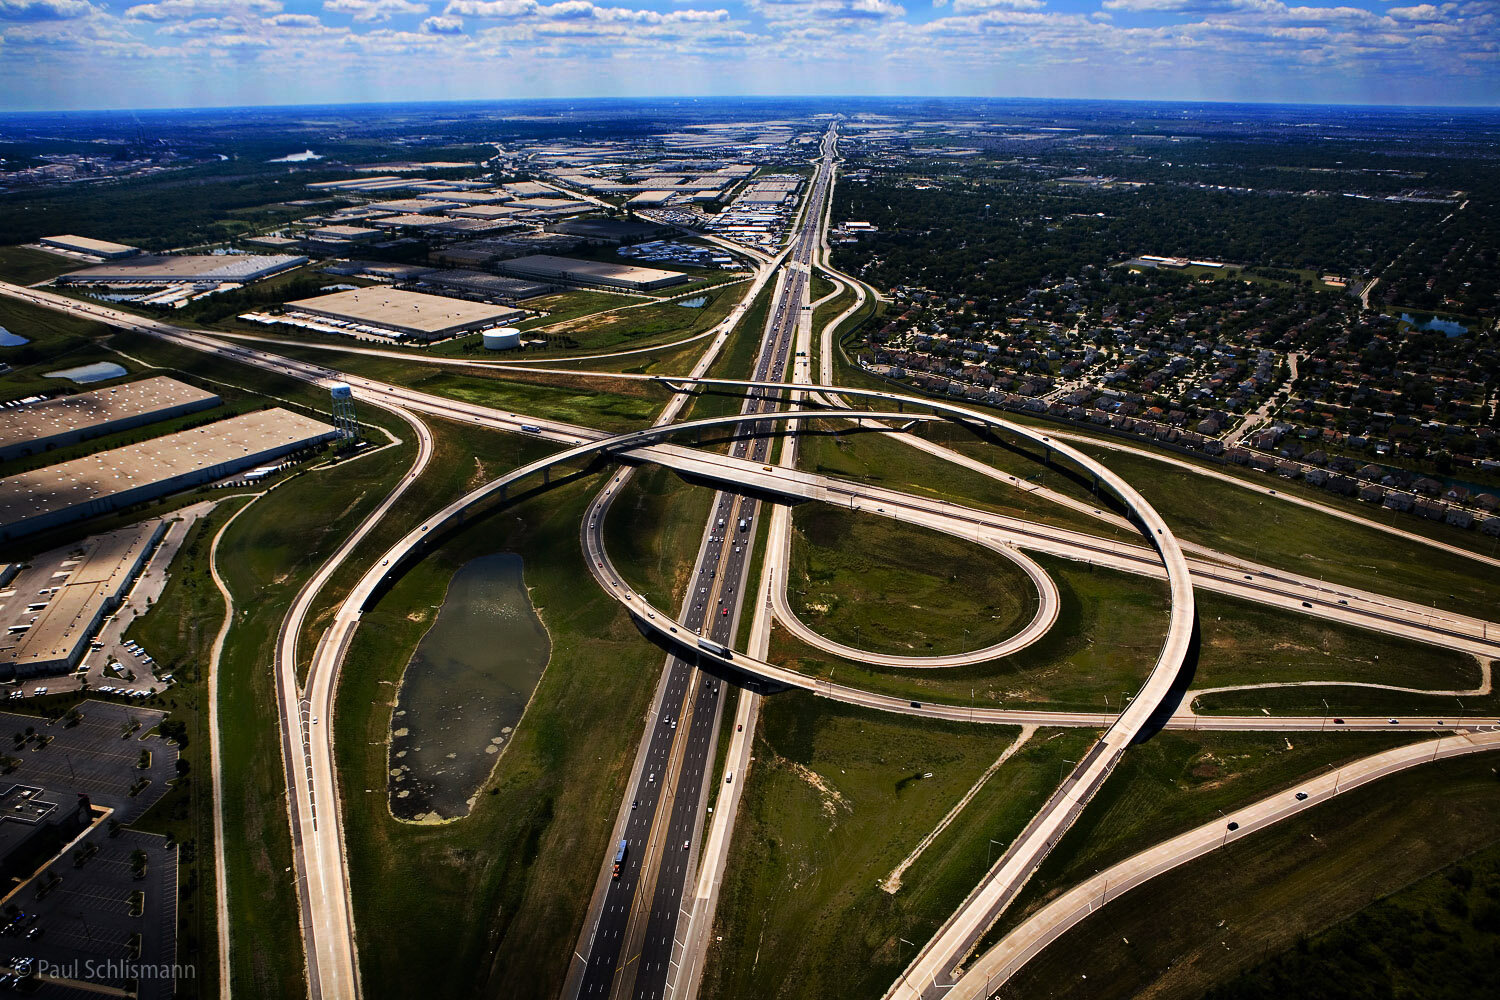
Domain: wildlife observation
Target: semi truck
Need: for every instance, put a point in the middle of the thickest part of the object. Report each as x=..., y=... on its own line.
x=620, y=857
x=708, y=645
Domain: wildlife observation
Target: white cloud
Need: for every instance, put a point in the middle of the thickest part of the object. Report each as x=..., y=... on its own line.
x=183, y=10
x=1422, y=12
x=294, y=21
x=43, y=10
x=373, y=11
x=443, y=25
x=963, y=6
x=1187, y=6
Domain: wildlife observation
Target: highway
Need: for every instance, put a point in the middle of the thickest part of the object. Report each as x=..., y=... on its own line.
x=629, y=934
x=638, y=937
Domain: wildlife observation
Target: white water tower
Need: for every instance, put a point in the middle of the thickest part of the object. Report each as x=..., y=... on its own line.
x=343, y=410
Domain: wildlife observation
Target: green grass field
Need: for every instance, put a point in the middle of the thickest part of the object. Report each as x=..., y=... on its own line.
x=1185, y=931
x=1176, y=781
x=1426, y=939
x=1236, y=521
x=57, y=341
x=1109, y=630
x=653, y=530
x=500, y=894
x=23, y=266
x=879, y=459
x=876, y=584
x=835, y=800
x=1248, y=643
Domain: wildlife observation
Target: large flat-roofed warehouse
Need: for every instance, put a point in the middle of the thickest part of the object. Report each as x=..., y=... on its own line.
x=35, y=427
x=489, y=285
x=597, y=230
x=396, y=312
x=96, y=484
x=58, y=604
x=192, y=269
x=573, y=271
x=94, y=248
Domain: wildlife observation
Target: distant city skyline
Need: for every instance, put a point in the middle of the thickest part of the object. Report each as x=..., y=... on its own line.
x=78, y=54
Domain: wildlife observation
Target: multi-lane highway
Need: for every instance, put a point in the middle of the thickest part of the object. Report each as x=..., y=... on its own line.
x=627, y=944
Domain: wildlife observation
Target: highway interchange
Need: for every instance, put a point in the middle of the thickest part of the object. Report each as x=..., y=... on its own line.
x=630, y=937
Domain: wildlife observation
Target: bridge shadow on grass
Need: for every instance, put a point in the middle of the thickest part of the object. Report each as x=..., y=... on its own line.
x=1180, y=686
x=484, y=509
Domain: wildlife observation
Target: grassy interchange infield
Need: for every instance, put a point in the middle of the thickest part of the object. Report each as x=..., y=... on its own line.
x=1108, y=631
x=1176, y=781
x=1204, y=922
x=875, y=457
x=529, y=845
x=876, y=584
x=653, y=530
x=834, y=801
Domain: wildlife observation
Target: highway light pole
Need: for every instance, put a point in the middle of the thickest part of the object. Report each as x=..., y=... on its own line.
x=1324, y=727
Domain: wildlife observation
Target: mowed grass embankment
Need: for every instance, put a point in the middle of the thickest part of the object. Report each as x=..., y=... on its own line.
x=836, y=799
x=1198, y=925
x=1178, y=780
x=1262, y=528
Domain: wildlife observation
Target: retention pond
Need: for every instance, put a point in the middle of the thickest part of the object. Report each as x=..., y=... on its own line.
x=465, y=689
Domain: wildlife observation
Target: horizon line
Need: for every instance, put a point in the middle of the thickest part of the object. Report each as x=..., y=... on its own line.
x=749, y=97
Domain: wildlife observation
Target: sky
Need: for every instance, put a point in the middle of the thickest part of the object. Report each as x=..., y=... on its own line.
x=78, y=54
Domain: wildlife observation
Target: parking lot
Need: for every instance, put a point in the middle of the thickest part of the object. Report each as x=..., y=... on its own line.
x=104, y=912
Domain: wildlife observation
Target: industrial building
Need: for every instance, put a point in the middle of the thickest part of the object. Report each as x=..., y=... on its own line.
x=94, y=248
x=67, y=595
x=185, y=269
x=97, y=484
x=344, y=234
x=491, y=286
x=609, y=231
x=573, y=271
x=32, y=428
x=394, y=312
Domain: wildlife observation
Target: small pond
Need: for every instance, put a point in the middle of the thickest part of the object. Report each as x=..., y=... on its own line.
x=696, y=302
x=8, y=339
x=1447, y=327
x=99, y=371
x=465, y=689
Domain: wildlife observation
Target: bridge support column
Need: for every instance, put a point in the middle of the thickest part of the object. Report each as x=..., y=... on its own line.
x=546, y=474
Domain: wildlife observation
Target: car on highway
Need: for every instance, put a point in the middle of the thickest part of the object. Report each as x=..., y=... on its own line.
x=1301, y=796
x=1338, y=722
x=1233, y=825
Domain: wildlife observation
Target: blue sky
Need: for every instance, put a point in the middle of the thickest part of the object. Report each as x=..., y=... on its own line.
x=189, y=53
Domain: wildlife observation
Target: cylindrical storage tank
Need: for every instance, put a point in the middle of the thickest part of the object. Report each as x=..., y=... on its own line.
x=341, y=390
x=505, y=339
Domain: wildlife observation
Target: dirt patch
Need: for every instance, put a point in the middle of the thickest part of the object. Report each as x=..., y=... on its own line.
x=831, y=798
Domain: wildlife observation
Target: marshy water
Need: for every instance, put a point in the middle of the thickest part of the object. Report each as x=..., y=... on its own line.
x=465, y=689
